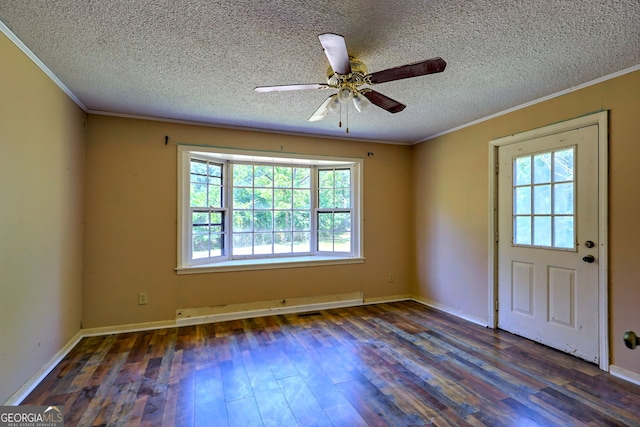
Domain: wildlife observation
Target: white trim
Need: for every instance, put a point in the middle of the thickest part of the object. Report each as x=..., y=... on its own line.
x=131, y=327
x=600, y=119
x=384, y=300
x=453, y=311
x=535, y=101
x=185, y=263
x=267, y=264
x=20, y=394
x=625, y=374
x=32, y=56
x=196, y=316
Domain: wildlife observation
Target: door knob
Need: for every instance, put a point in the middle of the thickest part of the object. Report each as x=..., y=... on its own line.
x=631, y=340
x=589, y=259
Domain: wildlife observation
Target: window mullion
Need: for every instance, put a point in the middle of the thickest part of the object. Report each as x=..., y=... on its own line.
x=314, y=210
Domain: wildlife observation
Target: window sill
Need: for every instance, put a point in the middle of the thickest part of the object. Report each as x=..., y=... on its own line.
x=267, y=264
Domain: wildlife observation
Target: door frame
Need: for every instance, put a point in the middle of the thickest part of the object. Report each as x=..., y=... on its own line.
x=601, y=120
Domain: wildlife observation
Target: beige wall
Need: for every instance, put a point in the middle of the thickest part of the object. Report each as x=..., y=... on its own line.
x=130, y=224
x=450, y=176
x=41, y=179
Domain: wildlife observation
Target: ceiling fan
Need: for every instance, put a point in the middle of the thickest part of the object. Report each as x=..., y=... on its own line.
x=347, y=74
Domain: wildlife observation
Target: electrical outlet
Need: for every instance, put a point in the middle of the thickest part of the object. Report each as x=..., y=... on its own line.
x=391, y=278
x=143, y=298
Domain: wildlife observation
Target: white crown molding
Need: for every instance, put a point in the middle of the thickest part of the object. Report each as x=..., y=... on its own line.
x=535, y=101
x=32, y=56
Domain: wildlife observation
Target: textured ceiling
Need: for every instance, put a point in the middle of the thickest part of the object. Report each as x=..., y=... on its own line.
x=200, y=60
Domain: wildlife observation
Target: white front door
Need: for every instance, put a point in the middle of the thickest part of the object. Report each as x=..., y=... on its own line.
x=548, y=241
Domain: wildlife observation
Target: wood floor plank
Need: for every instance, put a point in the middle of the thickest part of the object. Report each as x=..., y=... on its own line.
x=244, y=413
x=209, y=397
x=393, y=364
x=303, y=404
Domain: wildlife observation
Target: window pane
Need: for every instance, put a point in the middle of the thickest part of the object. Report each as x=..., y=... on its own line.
x=563, y=198
x=301, y=242
x=217, y=217
x=263, y=198
x=343, y=198
x=242, y=221
x=563, y=234
x=542, y=168
x=563, y=165
x=542, y=199
x=542, y=231
x=523, y=171
x=342, y=178
x=242, y=198
x=325, y=179
x=215, y=170
x=198, y=179
x=282, y=243
x=200, y=218
x=242, y=244
x=242, y=175
x=301, y=221
x=217, y=245
x=342, y=232
x=283, y=199
x=215, y=196
x=522, y=230
x=325, y=221
x=200, y=247
x=301, y=178
x=263, y=176
x=326, y=198
x=263, y=220
x=282, y=221
x=198, y=195
x=263, y=243
x=283, y=177
x=198, y=167
x=302, y=199
x=325, y=241
x=522, y=201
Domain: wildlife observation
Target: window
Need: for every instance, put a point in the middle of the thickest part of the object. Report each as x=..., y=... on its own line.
x=240, y=209
x=543, y=200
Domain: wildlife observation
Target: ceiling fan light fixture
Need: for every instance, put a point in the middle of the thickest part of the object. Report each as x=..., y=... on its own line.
x=360, y=102
x=344, y=95
x=334, y=104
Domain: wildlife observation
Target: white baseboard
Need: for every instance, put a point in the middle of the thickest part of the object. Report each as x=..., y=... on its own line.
x=625, y=374
x=28, y=387
x=195, y=316
x=455, y=312
x=383, y=300
x=133, y=327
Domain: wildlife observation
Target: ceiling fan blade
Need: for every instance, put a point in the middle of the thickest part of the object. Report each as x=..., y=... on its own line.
x=430, y=66
x=291, y=87
x=322, y=111
x=336, y=50
x=383, y=101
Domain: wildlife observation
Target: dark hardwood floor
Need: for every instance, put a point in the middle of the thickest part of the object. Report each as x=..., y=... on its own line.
x=394, y=364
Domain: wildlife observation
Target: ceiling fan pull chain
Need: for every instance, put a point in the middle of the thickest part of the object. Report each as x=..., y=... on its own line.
x=347, y=112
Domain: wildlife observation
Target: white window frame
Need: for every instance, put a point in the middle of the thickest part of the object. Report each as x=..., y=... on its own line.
x=185, y=263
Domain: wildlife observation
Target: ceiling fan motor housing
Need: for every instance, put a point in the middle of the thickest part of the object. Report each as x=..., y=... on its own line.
x=355, y=78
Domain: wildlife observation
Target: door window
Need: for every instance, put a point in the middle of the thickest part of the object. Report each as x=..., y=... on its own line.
x=543, y=199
